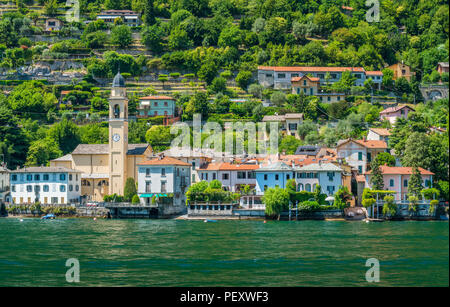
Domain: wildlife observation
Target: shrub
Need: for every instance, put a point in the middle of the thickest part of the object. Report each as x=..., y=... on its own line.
x=135, y=199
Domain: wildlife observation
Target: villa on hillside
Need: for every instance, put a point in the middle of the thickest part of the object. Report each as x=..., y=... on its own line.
x=391, y=114
x=310, y=86
x=359, y=153
x=280, y=77
x=289, y=123
x=130, y=18
x=150, y=106
x=397, y=179
x=401, y=70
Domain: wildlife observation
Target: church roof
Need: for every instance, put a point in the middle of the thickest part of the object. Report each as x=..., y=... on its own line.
x=103, y=149
x=119, y=81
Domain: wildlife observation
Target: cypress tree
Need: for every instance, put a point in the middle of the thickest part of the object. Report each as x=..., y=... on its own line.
x=415, y=182
x=149, y=13
x=377, y=177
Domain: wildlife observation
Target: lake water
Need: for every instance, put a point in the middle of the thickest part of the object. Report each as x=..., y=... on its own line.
x=226, y=253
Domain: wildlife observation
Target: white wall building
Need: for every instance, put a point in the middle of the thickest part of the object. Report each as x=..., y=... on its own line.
x=4, y=182
x=327, y=175
x=48, y=185
x=359, y=153
x=163, y=176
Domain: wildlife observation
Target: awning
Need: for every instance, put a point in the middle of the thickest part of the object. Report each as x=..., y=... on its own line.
x=153, y=194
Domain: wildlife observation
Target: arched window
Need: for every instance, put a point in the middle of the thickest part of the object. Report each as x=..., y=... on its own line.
x=116, y=111
x=307, y=187
x=300, y=187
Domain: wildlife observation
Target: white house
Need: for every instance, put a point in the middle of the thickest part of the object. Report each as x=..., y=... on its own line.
x=327, y=175
x=359, y=153
x=378, y=134
x=289, y=123
x=48, y=185
x=165, y=178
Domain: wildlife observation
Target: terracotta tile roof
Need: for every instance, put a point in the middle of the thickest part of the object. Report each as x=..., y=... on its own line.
x=209, y=167
x=156, y=98
x=381, y=131
x=397, y=170
x=296, y=79
x=165, y=161
x=349, y=8
x=374, y=73
x=395, y=109
x=237, y=167
x=311, y=68
x=365, y=143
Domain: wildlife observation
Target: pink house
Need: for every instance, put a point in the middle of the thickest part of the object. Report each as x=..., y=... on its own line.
x=397, y=179
x=391, y=114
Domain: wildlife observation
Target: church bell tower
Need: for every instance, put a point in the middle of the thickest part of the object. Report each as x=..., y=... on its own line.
x=118, y=136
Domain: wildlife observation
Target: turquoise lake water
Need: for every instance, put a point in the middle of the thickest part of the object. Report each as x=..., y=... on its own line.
x=226, y=253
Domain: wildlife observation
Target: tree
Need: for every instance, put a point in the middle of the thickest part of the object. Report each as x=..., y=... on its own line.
x=159, y=137
x=149, y=12
x=13, y=142
x=121, y=35
x=130, y=189
x=219, y=85
x=230, y=36
x=377, y=177
x=384, y=158
x=415, y=182
x=152, y=38
x=306, y=128
x=208, y=71
x=243, y=79
x=342, y=197
x=196, y=104
x=389, y=207
x=256, y=90
x=276, y=200
x=95, y=39
x=66, y=134
x=278, y=98
x=50, y=7
x=289, y=144
x=42, y=151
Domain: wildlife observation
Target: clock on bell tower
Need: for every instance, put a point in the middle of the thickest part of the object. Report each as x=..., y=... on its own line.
x=118, y=135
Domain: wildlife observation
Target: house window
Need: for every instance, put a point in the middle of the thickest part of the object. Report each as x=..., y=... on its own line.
x=338, y=98
x=288, y=177
x=214, y=176
x=70, y=188
x=155, y=103
x=391, y=182
x=45, y=177
x=330, y=190
x=251, y=175
x=62, y=188
x=241, y=175
x=281, y=76
x=163, y=187
x=165, y=103
x=29, y=177
x=77, y=187
x=265, y=187
x=304, y=82
x=45, y=188
x=360, y=170
x=405, y=183
x=360, y=156
x=148, y=186
x=330, y=176
x=307, y=187
x=277, y=177
x=311, y=91
x=62, y=177
x=29, y=188
x=225, y=176
x=265, y=176
x=70, y=177
x=14, y=178
x=427, y=183
x=300, y=187
x=163, y=172
x=369, y=157
x=147, y=172
x=13, y=188
x=37, y=177
x=329, y=98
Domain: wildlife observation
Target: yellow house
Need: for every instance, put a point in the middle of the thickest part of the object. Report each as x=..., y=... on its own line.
x=401, y=70
x=105, y=167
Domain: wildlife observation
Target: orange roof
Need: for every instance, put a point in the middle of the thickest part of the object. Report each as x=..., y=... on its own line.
x=156, y=98
x=310, y=68
x=349, y=8
x=381, y=131
x=313, y=79
x=395, y=109
x=372, y=143
x=366, y=143
x=65, y=92
x=237, y=167
x=210, y=167
x=397, y=170
x=165, y=161
x=374, y=73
